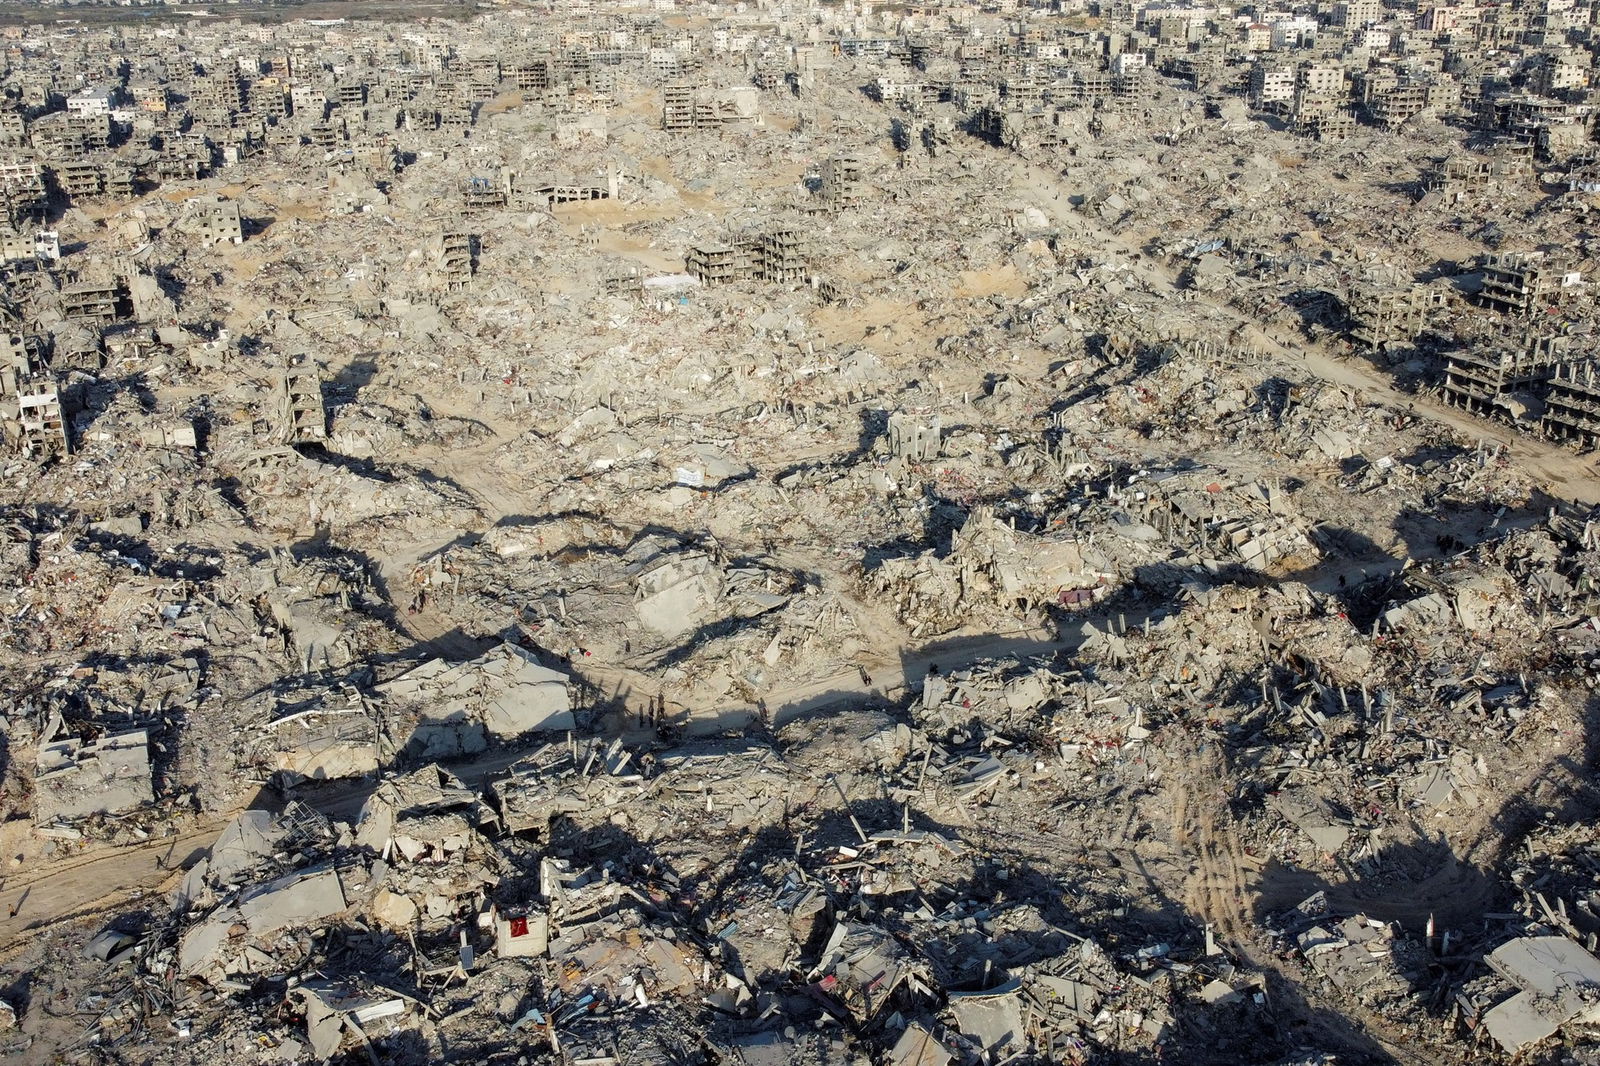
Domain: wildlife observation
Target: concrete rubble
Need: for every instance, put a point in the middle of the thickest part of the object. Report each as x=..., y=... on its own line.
x=454, y=708
x=799, y=533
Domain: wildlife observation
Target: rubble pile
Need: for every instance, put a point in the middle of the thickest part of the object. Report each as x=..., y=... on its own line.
x=799, y=534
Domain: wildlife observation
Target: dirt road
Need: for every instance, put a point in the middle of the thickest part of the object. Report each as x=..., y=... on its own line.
x=100, y=884
x=1219, y=885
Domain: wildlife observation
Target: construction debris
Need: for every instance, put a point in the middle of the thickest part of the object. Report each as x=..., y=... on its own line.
x=799, y=534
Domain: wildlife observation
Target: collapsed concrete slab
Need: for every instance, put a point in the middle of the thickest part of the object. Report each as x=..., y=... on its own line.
x=76, y=779
x=326, y=744
x=992, y=1017
x=1560, y=984
x=455, y=707
x=427, y=815
x=679, y=591
x=296, y=899
x=917, y=1047
x=335, y=1010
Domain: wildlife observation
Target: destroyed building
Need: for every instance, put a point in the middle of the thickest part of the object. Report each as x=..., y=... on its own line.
x=796, y=534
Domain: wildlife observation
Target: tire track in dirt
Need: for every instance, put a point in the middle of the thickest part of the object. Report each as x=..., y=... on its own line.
x=1217, y=886
x=1219, y=893
x=65, y=893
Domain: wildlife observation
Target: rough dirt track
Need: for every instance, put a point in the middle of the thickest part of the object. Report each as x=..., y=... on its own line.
x=97, y=884
x=1221, y=891
x=1218, y=886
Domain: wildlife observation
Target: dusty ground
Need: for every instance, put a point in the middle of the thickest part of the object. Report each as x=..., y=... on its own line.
x=517, y=362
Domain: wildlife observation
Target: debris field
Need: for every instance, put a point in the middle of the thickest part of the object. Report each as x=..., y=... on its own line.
x=799, y=533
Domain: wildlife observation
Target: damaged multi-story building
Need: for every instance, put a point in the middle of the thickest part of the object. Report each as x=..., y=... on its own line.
x=799, y=534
